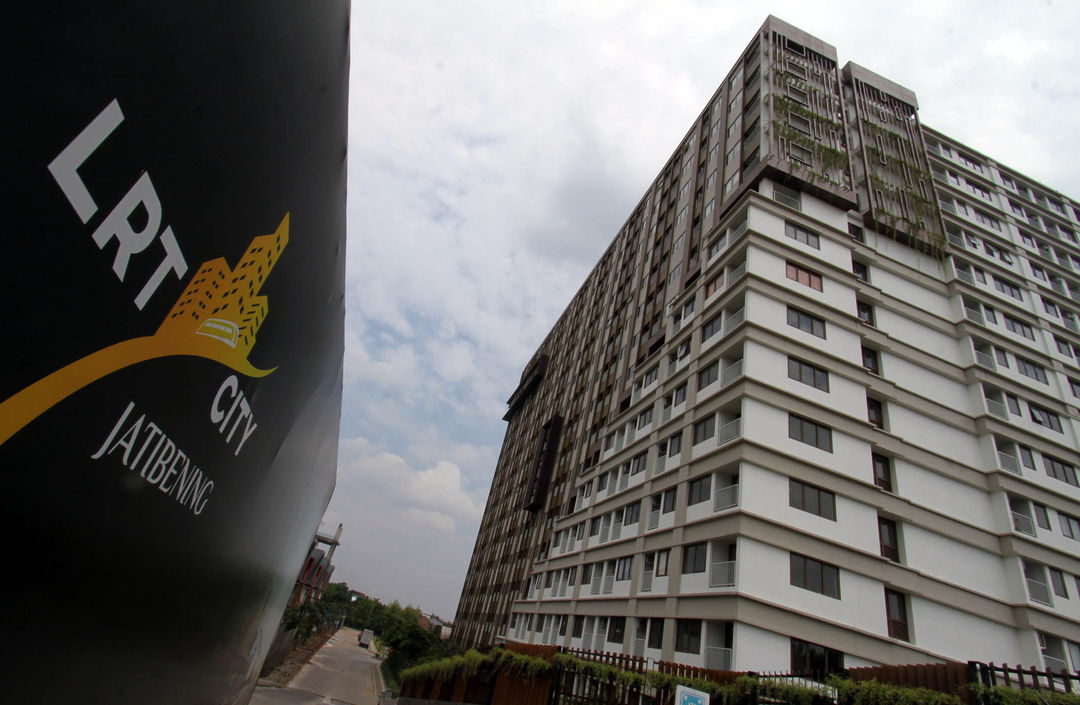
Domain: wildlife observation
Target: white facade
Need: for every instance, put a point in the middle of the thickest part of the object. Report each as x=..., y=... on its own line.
x=842, y=444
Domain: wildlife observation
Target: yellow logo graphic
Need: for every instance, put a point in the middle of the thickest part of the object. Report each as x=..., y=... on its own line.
x=216, y=318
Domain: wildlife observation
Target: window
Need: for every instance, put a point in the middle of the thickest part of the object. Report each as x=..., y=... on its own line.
x=656, y=633
x=694, y=556
x=815, y=576
x=1057, y=579
x=662, y=562
x=708, y=375
x=1031, y=369
x=616, y=629
x=652, y=375
x=875, y=412
x=1059, y=470
x=896, y=614
x=988, y=220
x=812, y=499
x=861, y=270
x=1045, y=417
x=800, y=234
x=674, y=446
x=1019, y=327
x=669, y=501
x=806, y=431
x=1001, y=356
x=601, y=483
x=1063, y=346
x=1042, y=517
x=714, y=285
x=637, y=464
x=644, y=418
x=882, y=472
x=624, y=568
x=632, y=514
x=1013, y=403
x=688, y=636
x=889, y=539
x=1070, y=526
x=704, y=429
x=679, y=395
x=870, y=360
x=866, y=312
x=699, y=490
x=804, y=276
x=805, y=322
x=1007, y=287
x=711, y=327
x=813, y=660
x=808, y=374
x=586, y=573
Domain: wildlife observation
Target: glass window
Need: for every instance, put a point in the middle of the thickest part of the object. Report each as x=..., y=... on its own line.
x=688, y=636
x=801, y=234
x=808, y=374
x=694, y=556
x=811, y=499
x=700, y=489
x=804, y=276
x=805, y=322
x=815, y=576
x=882, y=472
x=808, y=432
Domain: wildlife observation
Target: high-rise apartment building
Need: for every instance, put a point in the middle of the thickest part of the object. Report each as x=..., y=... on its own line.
x=816, y=405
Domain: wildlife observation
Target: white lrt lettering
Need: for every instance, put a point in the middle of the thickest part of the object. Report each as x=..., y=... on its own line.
x=118, y=223
x=65, y=167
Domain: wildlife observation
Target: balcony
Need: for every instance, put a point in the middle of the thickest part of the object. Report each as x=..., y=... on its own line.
x=965, y=276
x=1023, y=523
x=974, y=315
x=726, y=498
x=734, y=319
x=729, y=432
x=718, y=658
x=722, y=574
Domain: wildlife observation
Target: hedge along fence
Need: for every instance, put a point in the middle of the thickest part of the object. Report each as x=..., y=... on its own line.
x=512, y=678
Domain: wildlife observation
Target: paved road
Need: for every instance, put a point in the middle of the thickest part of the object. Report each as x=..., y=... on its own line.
x=340, y=673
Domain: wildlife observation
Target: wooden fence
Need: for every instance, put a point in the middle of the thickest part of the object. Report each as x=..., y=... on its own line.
x=990, y=674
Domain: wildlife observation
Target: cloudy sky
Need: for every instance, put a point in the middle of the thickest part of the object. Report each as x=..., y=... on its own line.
x=495, y=150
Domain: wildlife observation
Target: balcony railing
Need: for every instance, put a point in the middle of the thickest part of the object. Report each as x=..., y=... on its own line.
x=616, y=530
x=734, y=319
x=974, y=315
x=1039, y=592
x=654, y=519
x=964, y=275
x=736, y=273
x=985, y=359
x=738, y=230
x=1009, y=462
x=646, y=581
x=997, y=408
x=731, y=373
x=722, y=574
x=781, y=197
x=597, y=578
x=609, y=583
x=1023, y=523
x=729, y=432
x=717, y=658
x=898, y=629
x=726, y=498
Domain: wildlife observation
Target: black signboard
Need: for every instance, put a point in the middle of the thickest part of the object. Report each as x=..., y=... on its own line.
x=172, y=282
